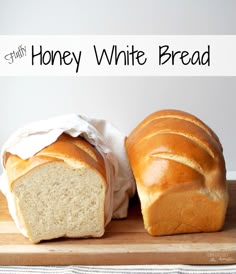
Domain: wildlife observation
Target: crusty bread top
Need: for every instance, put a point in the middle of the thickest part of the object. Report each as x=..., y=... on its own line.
x=74, y=151
x=179, y=142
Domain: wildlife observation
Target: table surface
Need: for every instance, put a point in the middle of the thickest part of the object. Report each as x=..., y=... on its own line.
x=124, y=243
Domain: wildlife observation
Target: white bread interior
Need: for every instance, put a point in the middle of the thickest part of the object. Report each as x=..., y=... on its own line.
x=180, y=173
x=60, y=191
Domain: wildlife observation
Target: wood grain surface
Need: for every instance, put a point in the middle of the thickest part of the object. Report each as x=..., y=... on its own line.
x=125, y=242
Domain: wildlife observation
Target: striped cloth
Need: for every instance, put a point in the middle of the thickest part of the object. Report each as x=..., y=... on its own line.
x=140, y=269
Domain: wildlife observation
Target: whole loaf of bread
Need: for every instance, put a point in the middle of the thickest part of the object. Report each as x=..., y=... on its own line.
x=179, y=168
x=60, y=191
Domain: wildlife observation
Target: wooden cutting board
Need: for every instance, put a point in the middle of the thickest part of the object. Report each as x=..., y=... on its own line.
x=125, y=242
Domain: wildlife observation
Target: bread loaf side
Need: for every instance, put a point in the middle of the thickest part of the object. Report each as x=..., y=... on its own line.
x=179, y=168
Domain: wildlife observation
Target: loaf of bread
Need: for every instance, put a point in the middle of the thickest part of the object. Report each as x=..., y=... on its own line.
x=179, y=168
x=60, y=191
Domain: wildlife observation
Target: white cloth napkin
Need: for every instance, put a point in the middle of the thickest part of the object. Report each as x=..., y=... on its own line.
x=122, y=269
x=107, y=139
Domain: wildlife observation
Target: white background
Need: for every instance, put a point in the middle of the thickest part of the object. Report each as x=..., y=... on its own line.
x=122, y=100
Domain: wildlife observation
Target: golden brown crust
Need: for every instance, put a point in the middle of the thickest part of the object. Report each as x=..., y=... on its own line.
x=174, y=139
x=174, y=152
x=177, y=114
x=66, y=148
x=86, y=147
x=82, y=144
x=184, y=212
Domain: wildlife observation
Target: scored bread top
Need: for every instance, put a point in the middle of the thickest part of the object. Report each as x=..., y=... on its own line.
x=172, y=147
x=75, y=151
